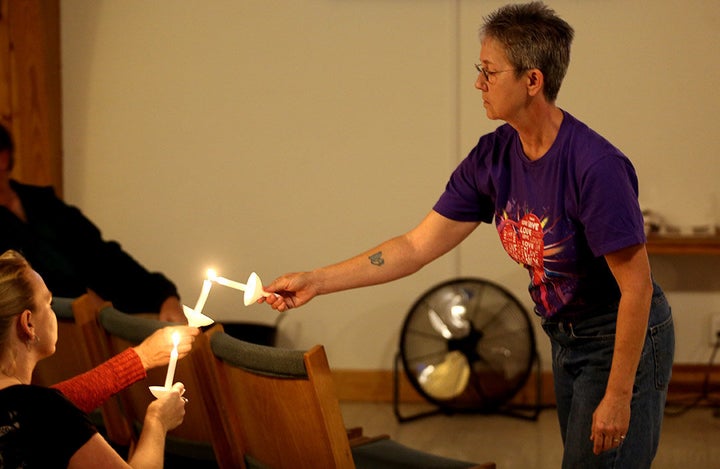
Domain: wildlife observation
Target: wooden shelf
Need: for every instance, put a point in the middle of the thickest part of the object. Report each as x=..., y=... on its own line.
x=684, y=245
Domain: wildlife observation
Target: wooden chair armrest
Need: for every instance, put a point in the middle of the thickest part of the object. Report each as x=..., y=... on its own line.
x=363, y=440
x=354, y=432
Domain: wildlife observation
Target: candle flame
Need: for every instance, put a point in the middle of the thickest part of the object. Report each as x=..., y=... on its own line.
x=211, y=274
x=176, y=339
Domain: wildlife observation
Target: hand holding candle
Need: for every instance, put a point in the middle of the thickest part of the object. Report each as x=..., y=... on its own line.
x=253, y=291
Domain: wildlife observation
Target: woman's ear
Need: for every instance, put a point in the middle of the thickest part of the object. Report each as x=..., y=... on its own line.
x=26, y=329
x=536, y=81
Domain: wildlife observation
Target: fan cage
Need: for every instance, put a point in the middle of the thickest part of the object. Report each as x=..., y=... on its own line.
x=494, y=335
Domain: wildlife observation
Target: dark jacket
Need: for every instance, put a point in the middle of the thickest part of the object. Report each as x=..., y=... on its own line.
x=68, y=251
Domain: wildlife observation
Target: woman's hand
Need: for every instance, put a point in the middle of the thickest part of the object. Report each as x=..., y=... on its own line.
x=610, y=424
x=155, y=350
x=290, y=291
x=169, y=409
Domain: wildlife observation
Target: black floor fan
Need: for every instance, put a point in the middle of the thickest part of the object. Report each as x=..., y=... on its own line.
x=467, y=345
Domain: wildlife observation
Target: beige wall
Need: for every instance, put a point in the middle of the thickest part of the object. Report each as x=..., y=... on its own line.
x=250, y=135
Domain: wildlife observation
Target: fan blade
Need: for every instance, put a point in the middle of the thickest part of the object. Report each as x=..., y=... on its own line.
x=447, y=379
x=452, y=325
x=439, y=325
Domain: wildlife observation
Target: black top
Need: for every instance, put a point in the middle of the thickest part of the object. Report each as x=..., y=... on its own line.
x=68, y=251
x=40, y=428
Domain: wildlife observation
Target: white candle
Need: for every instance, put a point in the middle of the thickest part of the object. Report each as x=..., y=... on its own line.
x=173, y=361
x=230, y=283
x=207, y=284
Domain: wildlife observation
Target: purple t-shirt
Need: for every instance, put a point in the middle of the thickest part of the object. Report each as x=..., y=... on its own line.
x=557, y=216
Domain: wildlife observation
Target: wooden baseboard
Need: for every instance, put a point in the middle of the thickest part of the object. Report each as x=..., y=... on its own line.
x=694, y=379
x=377, y=385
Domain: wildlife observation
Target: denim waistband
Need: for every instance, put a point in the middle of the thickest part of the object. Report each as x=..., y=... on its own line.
x=603, y=314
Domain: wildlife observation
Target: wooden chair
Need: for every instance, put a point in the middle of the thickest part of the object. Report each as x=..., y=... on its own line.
x=190, y=444
x=79, y=349
x=277, y=408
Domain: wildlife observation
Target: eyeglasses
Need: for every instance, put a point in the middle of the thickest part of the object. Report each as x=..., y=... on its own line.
x=489, y=76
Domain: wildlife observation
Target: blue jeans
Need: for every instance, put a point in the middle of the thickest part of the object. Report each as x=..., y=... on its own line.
x=582, y=354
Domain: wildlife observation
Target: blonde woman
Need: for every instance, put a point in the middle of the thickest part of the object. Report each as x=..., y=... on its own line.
x=40, y=427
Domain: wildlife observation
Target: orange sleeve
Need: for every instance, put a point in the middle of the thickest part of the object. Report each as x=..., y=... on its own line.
x=91, y=389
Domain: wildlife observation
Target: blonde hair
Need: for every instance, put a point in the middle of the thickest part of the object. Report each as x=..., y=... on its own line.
x=16, y=295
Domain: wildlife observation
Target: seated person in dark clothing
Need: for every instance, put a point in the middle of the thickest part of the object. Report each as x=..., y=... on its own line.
x=69, y=252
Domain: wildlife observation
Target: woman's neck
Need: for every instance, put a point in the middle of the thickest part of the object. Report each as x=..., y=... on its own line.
x=7, y=380
x=539, y=135
x=20, y=370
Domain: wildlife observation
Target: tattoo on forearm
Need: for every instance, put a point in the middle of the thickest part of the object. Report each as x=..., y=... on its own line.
x=377, y=259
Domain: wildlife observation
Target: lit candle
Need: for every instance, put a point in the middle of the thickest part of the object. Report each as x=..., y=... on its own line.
x=173, y=360
x=207, y=284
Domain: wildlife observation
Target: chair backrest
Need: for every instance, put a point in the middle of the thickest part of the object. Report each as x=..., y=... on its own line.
x=271, y=407
x=191, y=441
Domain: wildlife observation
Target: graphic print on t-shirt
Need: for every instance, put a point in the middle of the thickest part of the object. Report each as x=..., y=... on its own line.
x=523, y=238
